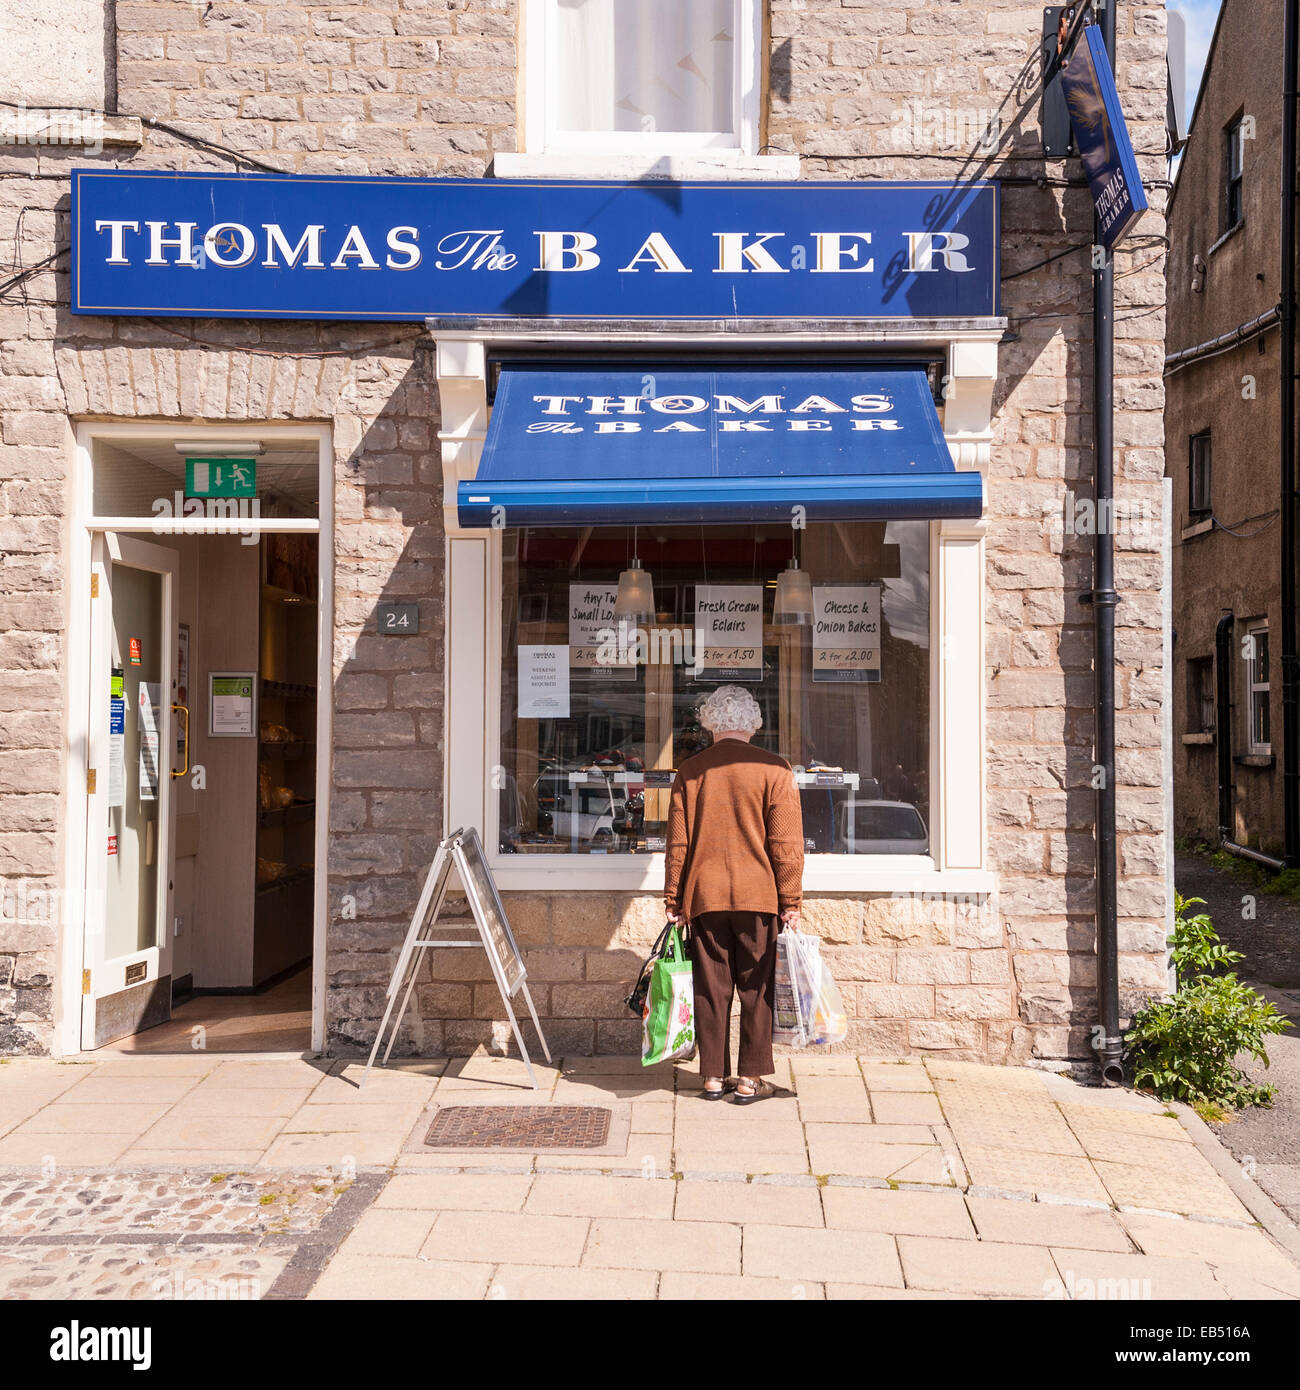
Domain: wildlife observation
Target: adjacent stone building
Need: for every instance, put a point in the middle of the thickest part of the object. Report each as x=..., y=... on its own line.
x=980, y=946
x=1223, y=434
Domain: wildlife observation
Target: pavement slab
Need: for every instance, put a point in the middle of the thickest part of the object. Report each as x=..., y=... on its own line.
x=868, y=1178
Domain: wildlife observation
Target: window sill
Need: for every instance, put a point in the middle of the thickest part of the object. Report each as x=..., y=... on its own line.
x=1260, y=760
x=1226, y=237
x=823, y=873
x=1198, y=528
x=1203, y=740
x=680, y=167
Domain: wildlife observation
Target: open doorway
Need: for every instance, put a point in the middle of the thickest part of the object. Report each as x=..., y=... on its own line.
x=207, y=733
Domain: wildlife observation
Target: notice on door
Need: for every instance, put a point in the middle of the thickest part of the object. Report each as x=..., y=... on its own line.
x=116, y=748
x=543, y=682
x=148, y=694
x=728, y=632
x=846, y=632
x=230, y=704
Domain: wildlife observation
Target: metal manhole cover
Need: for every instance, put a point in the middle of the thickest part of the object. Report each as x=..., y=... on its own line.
x=519, y=1127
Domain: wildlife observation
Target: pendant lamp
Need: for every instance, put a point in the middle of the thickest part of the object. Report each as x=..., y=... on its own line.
x=635, y=602
x=794, y=596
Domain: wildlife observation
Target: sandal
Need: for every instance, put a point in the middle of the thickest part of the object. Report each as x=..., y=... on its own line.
x=758, y=1089
x=724, y=1086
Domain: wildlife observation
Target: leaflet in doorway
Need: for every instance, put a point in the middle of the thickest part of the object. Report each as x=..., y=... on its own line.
x=543, y=682
x=728, y=632
x=148, y=694
x=846, y=632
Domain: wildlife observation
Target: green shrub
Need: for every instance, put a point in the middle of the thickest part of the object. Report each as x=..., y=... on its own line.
x=1185, y=1047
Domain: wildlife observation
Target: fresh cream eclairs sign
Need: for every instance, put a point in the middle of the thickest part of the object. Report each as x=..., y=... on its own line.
x=290, y=246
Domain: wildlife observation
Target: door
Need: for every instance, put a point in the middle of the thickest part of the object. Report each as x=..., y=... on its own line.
x=127, y=975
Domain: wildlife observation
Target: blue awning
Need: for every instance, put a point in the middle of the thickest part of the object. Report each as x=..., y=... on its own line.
x=591, y=447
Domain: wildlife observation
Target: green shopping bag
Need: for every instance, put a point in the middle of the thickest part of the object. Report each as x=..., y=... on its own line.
x=668, y=1015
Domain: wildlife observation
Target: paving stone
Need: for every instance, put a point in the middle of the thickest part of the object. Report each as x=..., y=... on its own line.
x=860, y=1159
x=139, y=1157
x=702, y=1247
x=836, y=1112
x=906, y=1108
x=867, y=1292
x=158, y=1064
x=455, y=1191
x=767, y=1204
x=1037, y=1223
x=1222, y=1247
x=198, y=1132
x=98, y=1089
x=893, y=1077
x=374, y=1278
x=67, y=1117
x=771, y=1136
x=555, y=1282
x=613, y=1090
x=1189, y=1185
x=1018, y=1171
x=388, y=1232
x=852, y=1257
x=728, y=1288
x=352, y=1119
x=869, y=1133
x=19, y=1149
x=502, y=1237
x=285, y=1076
x=979, y=1267
x=690, y=1160
x=603, y=1066
x=1094, y=1122
x=555, y=1194
x=897, y=1213
x=1088, y=1275
x=334, y=1150
x=260, y=1101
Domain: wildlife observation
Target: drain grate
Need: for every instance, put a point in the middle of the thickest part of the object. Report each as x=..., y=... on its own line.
x=519, y=1127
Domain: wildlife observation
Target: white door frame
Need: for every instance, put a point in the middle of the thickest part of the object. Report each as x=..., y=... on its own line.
x=84, y=524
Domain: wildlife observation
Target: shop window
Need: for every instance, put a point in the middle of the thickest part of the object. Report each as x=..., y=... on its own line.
x=599, y=709
x=632, y=76
x=1200, y=695
x=1260, y=736
x=1233, y=212
x=1198, y=466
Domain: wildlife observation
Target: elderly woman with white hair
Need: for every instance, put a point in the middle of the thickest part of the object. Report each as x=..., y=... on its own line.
x=734, y=871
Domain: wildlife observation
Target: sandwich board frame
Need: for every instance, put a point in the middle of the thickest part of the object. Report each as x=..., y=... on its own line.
x=463, y=851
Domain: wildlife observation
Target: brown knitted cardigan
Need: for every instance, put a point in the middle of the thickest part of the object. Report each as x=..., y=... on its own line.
x=735, y=833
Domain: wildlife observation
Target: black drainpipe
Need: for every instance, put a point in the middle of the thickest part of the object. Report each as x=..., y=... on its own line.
x=1103, y=599
x=1290, y=709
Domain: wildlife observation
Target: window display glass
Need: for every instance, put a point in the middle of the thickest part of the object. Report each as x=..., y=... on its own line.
x=612, y=637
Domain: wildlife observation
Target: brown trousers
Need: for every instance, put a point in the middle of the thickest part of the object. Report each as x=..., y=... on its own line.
x=734, y=950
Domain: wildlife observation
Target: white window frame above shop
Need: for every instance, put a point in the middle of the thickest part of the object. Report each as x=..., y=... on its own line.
x=958, y=858
x=540, y=76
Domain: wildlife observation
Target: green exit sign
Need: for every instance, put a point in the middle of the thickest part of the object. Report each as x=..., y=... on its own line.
x=221, y=477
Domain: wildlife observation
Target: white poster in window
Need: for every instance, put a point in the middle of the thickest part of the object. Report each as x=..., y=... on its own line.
x=543, y=682
x=231, y=704
x=594, y=634
x=846, y=632
x=728, y=632
x=117, y=751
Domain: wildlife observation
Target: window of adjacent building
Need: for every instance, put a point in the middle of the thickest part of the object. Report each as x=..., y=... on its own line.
x=1199, y=459
x=632, y=76
x=596, y=718
x=1259, y=734
x=1200, y=695
x=1233, y=209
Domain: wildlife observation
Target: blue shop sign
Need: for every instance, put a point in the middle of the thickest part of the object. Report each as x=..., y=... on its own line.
x=1101, y=134
x=292, y=246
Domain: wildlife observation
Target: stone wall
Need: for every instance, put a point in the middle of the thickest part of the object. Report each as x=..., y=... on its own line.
x=859, y=90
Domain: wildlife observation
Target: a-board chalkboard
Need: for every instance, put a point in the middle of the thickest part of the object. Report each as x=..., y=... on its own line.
x=463, y=850
x=485, y=903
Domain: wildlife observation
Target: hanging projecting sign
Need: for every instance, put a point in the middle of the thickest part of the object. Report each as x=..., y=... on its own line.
x=728, y=632
x=846, y=632
x=1101, y=133
x=293, y=246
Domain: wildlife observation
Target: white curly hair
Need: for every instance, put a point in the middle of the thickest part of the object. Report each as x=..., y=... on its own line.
x=730, y=709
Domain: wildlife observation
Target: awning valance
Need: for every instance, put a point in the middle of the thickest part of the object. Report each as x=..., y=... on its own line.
x=581, y=445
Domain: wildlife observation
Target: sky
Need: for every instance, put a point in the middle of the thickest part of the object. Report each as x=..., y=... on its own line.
x=1200, y=16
